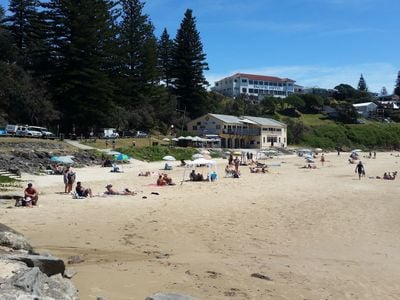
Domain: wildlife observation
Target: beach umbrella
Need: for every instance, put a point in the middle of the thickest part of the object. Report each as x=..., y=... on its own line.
x=188, y=138
x=111, y=152
x=202, y=161
x=181, y=138
x=307, y=156
x=356, y=150
x=166, y=139
x=121, y=157
x=237, y=153
x=204, y=151
x=174, y=139
x=62, y=159
x=169, y=158
x=317, y=150
x=197, y=156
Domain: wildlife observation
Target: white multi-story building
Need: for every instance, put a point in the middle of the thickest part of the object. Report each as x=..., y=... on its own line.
x=256, y=87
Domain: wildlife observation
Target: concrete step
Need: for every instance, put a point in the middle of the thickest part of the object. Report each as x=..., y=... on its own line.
x=8, y=174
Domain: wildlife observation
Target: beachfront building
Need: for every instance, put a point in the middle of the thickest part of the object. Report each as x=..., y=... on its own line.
x=241, y=132
x=256, y=87
x=366, y=109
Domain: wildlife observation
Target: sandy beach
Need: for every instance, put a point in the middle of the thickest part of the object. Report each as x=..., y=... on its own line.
x=312, y=233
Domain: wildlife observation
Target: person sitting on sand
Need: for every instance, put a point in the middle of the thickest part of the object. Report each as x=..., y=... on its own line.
x=168, y=179
x=147, y=173
x=81, y=191
x=106, y=163
x=31, y=196
x=229, y=171
x=161, y=181
x=111, y=191
x=192, y=175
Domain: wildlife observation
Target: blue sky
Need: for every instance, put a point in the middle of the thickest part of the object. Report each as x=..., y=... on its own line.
x=315, y=42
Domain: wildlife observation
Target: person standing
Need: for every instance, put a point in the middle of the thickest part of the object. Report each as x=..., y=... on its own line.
x=360, y=170
x=69, y=179
x=322, y=159
x=236, y=162
x=31, y=196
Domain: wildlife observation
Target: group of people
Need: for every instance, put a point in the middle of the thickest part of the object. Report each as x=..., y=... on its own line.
x=389, y=176
x=164, y=179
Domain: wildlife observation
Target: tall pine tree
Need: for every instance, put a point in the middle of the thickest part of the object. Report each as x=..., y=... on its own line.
x=81, y=35
x=188, y=67
x=362, y=85
x=397, y=86
x=137, y=53
x=29, y=32
x=165, y=47
x=8, y=50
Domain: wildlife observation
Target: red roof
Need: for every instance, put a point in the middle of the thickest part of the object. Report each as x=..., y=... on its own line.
x=263, y=78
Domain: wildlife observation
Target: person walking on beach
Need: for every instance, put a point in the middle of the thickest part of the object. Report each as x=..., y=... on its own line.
x=360, y=170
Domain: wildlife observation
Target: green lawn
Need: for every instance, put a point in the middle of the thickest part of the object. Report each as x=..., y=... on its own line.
x=315, y=120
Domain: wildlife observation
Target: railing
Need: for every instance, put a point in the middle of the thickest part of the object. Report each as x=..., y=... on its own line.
x=234, y=131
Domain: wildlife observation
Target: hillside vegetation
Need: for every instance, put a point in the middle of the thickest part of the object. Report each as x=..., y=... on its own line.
x=327, y=134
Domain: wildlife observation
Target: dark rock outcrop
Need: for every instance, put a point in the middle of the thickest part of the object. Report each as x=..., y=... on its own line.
x=47, y=264
x=35, y=157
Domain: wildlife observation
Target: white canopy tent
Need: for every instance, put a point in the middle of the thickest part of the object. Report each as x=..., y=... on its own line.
x=210, y=164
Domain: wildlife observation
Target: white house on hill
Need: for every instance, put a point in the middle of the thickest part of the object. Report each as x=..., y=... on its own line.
x=365, y=109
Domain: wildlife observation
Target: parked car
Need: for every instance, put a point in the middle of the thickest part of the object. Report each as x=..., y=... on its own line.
x=25, y=131
x=141, y=134
x=45, y=133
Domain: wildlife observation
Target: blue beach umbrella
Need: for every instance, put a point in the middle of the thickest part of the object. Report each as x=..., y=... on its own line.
x=121, y=157
x=62, y=159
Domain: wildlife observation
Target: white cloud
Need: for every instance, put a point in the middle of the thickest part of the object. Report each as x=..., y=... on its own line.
x=376, y=75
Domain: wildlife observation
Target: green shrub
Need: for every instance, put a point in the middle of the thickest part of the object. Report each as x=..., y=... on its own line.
x=156, y=153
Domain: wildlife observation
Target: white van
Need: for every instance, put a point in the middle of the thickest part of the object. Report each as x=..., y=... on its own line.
x=11, y=129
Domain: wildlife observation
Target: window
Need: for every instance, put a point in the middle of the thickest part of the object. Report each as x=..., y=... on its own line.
x=255, y=82
x=198, y=123
x=235, y=80
x=216, y=84
x=194, y=128
x=256, y=91
x=218, y=127
x=251, y=82
x=244, y=90
x=244, y=80
x=251, y=91
x=265, y=82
